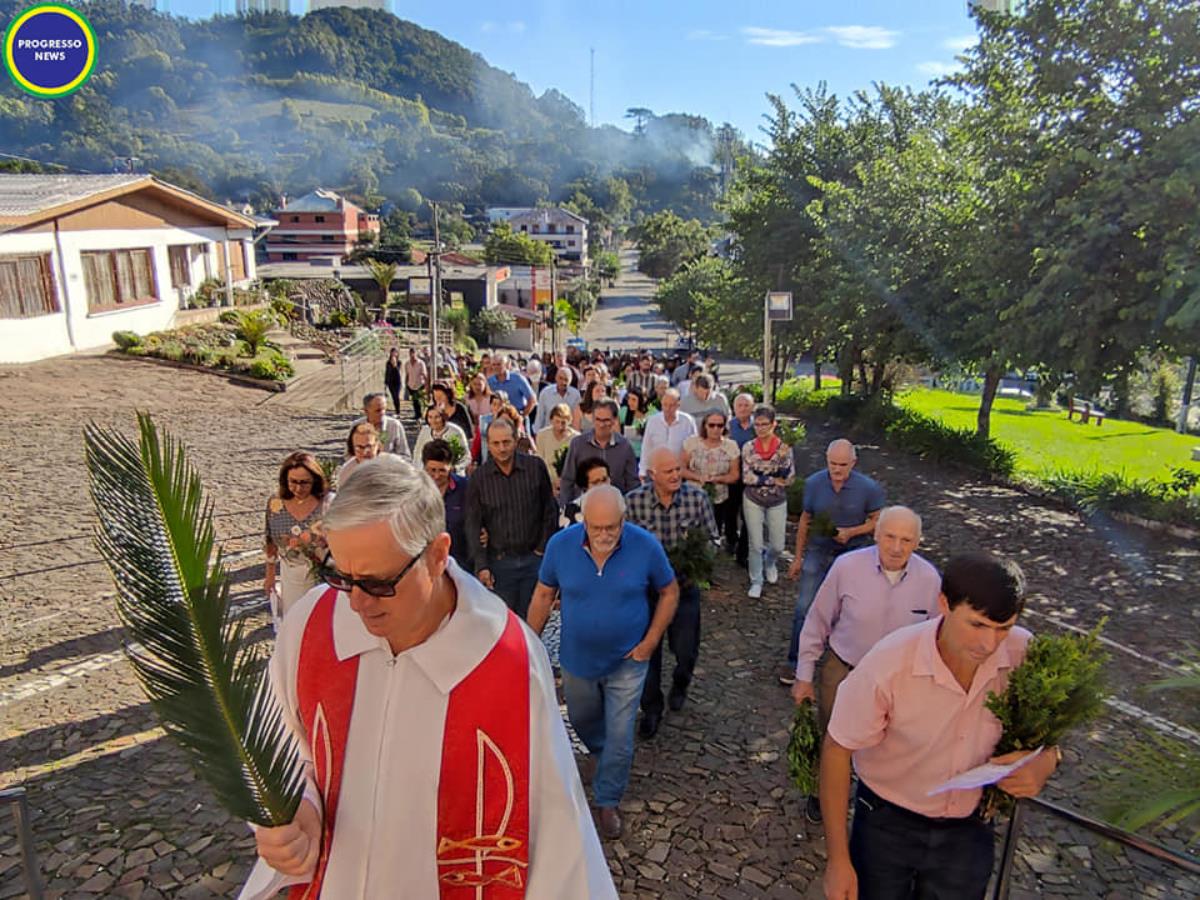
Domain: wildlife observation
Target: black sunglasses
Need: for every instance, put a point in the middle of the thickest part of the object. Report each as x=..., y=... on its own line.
x=376, y=587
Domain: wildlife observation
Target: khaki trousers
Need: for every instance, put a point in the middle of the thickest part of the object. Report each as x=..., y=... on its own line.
x=831, y=672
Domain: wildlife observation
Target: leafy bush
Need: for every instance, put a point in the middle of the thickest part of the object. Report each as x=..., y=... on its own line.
x=229, y=317
x=340, y=319
x=172, y=350
x=792, y=433
x=466, y=345
x=126, y=340
x=208, y=293
x=754, y=389
x=253, y=328
x=273, y=365
x=1176, y=500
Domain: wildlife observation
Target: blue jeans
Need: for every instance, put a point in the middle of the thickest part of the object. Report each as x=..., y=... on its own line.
x=515, y=578
x=602, y=712
x=812, y=572
x=772, y=519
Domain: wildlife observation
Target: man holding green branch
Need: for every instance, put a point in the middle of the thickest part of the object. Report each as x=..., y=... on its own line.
x=910, y=717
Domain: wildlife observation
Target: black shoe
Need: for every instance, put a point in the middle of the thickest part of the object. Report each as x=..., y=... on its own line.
x=649, y=726
x=812, y=811
x=676, y=698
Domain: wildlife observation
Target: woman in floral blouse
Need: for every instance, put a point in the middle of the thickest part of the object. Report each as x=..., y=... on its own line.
x=293, y=538
x=713, y=461
x=767, y=470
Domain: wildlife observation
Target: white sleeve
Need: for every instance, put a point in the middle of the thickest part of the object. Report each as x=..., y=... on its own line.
x=565, y=856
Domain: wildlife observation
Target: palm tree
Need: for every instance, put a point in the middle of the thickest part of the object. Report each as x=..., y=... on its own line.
x=203, y=677
x=1163, y=784
x=383, y=273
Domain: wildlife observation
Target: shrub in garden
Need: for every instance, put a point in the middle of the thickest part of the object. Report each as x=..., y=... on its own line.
x=253, y=328
x=273, y=365
x=126, y=340
x=1176, y=500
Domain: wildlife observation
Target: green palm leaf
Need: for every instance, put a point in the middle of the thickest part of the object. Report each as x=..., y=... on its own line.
x=204, y=680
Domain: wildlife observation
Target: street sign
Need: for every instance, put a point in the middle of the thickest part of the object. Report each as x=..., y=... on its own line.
x=779, y=306
x=420, y=287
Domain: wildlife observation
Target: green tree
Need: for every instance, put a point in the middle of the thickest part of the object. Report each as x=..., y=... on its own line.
x=608, y=265
x=504, y=246
x=494, y=322
x=666, y=242
x=383, y=274
x=701, y=300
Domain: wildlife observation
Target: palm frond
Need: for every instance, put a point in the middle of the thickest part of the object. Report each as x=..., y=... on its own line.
x=204, y=680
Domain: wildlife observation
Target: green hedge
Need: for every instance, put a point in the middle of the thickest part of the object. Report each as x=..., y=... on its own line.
x=1174, y=501
x=215, y=345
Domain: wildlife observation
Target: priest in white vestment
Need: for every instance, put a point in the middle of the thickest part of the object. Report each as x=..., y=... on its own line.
x=434, y=794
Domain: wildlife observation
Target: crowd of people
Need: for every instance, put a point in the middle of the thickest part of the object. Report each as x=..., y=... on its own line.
x=565, y=484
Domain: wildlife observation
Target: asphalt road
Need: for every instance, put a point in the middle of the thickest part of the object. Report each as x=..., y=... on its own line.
x=627, y=320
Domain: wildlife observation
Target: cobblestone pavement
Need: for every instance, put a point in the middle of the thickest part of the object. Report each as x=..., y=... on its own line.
x=709, y=812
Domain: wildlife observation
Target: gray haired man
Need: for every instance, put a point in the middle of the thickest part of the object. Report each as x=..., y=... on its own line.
x=403, y=658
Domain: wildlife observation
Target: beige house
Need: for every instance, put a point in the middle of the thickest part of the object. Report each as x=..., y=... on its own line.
x=82, y=256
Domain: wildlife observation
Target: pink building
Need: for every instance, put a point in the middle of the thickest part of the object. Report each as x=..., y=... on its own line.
x=320, y=225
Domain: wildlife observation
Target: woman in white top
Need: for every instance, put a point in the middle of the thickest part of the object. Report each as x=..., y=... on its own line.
x=361, y=444
x=436, y=426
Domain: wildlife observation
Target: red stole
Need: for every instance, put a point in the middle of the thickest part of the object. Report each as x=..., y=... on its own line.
x=482, y=842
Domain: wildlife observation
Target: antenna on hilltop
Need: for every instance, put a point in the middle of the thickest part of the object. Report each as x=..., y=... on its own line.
x=592, y=89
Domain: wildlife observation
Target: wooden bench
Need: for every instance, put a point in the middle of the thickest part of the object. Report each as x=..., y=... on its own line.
x=1086, y=411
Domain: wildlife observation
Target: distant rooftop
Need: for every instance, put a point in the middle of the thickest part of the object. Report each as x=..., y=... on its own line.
x=27, y=195
x=317, y=201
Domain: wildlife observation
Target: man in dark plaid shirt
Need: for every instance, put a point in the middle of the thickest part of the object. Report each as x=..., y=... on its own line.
x=643, y=377
x=669, y=508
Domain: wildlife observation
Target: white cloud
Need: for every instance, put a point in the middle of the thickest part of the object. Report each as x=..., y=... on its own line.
x=517, y=27
x=864, y=37
x=936, y=69
x=778, y=37
x=487, y=27
x=960, y=43
x=703, y=34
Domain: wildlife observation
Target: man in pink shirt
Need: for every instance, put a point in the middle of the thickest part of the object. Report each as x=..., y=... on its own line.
x=911, y=716
x=868, y=594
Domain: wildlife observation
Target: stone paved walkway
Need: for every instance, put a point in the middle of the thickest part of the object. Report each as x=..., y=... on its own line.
x=709, y=812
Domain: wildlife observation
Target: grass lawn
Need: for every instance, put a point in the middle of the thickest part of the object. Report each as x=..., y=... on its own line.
x=1046, y=440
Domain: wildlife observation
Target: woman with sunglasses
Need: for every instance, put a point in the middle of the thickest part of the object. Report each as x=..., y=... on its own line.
x=713, y=461
x=767, y=470
x=293, y=541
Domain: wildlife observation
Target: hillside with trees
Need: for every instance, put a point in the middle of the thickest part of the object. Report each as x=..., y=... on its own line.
x=251, y=107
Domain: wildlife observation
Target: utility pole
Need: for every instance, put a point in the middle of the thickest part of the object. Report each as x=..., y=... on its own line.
x=554, y=305
x=436, y=294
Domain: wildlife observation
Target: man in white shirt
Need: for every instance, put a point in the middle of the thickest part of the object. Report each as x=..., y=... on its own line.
x=434, y=750
x=669, y=428
x=392, y=438
x=554, y=394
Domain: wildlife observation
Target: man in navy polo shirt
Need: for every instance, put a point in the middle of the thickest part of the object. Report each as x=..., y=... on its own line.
x=604, y=569
x=437, y=458
x=851, y=501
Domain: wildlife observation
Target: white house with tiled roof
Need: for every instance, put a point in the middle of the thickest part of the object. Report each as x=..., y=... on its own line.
x=82, y=256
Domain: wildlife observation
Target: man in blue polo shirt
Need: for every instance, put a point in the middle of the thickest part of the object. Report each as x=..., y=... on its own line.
x=514, y=384
x=845, y=500
x=604, y=569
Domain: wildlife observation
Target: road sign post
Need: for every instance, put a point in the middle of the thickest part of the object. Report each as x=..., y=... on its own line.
x=776, y=308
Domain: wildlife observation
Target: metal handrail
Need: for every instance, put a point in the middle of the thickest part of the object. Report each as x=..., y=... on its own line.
x=1126, y=838
x=20, y=804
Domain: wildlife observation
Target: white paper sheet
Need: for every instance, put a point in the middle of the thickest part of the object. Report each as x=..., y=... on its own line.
x=980, y=776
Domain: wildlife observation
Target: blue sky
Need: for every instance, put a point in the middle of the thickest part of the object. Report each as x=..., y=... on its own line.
x=716, y=59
